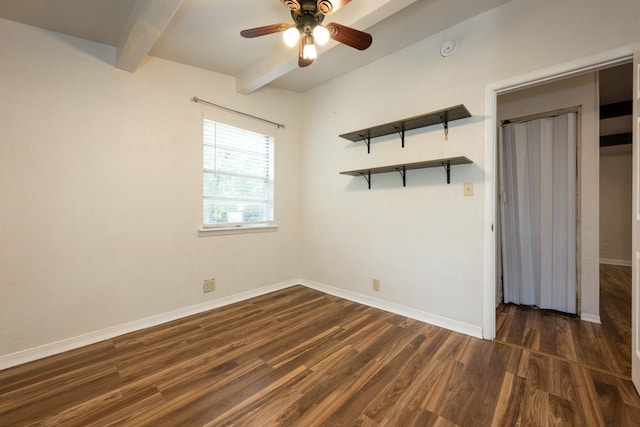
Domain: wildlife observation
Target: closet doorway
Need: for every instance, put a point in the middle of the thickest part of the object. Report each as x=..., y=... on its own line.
x=601, y=334
x=537, y=164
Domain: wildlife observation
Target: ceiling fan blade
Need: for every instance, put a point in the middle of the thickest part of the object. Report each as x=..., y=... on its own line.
x=263, y=31
x=349, y=36
x=327, y=7
x=302, y=62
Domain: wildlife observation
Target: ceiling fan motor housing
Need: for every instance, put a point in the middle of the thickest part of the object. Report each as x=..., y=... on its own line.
x=307, y=17
x=323, y=6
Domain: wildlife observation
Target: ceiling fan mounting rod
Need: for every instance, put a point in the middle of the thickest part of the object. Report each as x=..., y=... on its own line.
x=309, y=5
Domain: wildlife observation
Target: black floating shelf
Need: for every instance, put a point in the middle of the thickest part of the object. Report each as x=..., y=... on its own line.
x=443, y=117
x=403, y=168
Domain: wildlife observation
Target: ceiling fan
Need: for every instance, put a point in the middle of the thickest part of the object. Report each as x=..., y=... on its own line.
x=307, y=30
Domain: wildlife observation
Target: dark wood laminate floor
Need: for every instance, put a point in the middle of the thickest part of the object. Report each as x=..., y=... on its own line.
x=606, y=347
x=302, y=358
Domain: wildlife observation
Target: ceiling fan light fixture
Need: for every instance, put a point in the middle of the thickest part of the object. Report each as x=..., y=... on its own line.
x=309, y=50
x=291, y=36
x=307, y=29
x=321, y=35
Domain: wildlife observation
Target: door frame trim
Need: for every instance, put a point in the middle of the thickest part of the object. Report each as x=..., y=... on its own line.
x=588, y=64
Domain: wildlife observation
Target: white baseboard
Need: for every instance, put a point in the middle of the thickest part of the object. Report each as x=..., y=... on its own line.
x=67, y=344
x=593, y=318
x=621, y=262
x=412, y=313
x=57, y=347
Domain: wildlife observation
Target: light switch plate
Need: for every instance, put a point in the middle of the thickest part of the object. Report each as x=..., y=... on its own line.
x=468, y=189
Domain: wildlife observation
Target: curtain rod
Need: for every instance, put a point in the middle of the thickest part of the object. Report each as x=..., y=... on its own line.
x=196, y=99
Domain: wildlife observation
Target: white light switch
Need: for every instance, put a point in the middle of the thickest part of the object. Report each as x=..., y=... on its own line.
x=468, y=189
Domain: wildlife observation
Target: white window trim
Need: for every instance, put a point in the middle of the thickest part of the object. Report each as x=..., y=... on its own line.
x=239, y=229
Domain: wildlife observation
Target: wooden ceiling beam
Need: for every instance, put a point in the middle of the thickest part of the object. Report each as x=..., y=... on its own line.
x=146, y=22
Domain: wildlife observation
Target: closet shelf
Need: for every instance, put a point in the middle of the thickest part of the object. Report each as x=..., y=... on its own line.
x=403, y=168
x=443, y=117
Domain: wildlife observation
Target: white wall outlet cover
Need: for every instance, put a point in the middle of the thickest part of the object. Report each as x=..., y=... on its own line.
x=448, y=47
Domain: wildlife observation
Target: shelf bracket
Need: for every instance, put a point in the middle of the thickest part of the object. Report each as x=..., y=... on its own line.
x=367, y=177
x=367, y=141
x=403, y=173
x=401, y=133
x=447, y=168
x=445, y=125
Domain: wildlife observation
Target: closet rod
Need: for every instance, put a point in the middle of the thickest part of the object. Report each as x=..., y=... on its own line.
x=196, y=99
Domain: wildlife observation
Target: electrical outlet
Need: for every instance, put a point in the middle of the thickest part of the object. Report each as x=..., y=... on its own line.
x=468, y=189
x=376, y=284
x=209, y=285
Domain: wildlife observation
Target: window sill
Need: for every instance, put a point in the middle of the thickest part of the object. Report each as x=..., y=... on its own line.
x=221, y=231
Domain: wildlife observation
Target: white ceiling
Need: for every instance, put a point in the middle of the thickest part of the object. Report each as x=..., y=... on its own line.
x=206, y=33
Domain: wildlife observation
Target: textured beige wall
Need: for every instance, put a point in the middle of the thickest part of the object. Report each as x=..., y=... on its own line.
x=101, y=190
x=425, y=242
x=615, y=207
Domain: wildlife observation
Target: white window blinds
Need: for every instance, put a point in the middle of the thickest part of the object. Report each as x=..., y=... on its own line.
x=238, y=176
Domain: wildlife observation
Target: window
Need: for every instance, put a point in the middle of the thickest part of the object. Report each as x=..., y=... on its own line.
x=238, y=177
